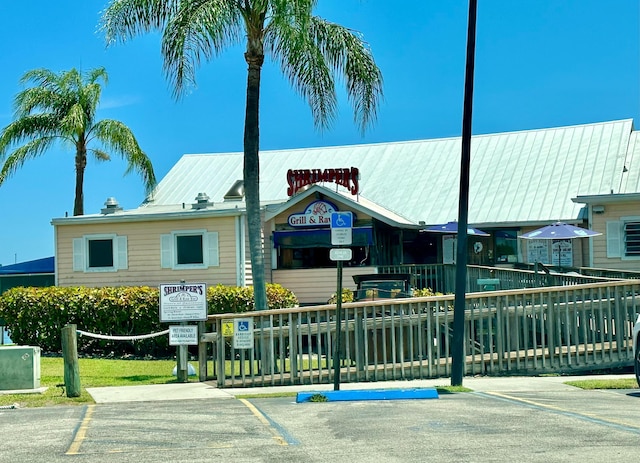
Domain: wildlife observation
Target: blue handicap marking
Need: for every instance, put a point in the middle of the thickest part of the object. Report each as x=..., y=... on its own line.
x=341, y=220
x=243, y=325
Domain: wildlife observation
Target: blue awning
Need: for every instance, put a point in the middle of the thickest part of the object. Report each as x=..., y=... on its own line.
x=319, y=238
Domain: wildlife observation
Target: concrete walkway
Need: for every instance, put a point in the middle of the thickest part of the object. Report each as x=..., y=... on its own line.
x=208, y=390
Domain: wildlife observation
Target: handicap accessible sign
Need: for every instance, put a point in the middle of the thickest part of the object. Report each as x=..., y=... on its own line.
x=243, y=333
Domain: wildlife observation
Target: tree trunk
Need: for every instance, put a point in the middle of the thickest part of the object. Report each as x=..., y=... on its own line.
x=252, y=178
x=81, y=164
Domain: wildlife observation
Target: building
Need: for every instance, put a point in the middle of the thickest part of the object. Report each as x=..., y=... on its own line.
x=192, y=227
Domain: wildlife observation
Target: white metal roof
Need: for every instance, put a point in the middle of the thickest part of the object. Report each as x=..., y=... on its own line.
x=515, y=178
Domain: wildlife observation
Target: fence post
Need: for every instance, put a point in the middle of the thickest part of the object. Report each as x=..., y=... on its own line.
x=202, y=353
x=70, y=355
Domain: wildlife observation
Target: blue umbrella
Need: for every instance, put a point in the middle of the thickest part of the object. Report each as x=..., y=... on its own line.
x=452, y=228
x=559, y=231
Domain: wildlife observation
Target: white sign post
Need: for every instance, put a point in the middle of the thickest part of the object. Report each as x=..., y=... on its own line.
x=341, y=235
x=183, y=302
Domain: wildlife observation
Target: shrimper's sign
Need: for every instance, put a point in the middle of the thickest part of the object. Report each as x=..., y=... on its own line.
x=346, y=177
x=183, y=302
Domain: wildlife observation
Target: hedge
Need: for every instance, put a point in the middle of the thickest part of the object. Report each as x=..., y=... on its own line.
x=35, y=316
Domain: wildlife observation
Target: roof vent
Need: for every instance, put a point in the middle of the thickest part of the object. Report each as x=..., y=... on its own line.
x=111, y=206
x=202, y=201
x=236, y=192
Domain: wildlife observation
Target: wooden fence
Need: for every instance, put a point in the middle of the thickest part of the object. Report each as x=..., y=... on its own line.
x=560, y=329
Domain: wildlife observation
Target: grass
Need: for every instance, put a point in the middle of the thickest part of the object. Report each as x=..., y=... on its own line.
x=93, y=373
x=590, y=384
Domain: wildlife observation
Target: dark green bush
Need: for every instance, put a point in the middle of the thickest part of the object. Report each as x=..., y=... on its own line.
x=35, y=316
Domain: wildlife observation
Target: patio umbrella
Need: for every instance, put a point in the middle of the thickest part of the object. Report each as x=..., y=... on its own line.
x=452, y=229
x=559, y=231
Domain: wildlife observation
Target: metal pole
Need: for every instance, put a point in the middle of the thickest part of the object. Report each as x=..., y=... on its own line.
x=457, y=354
x=336, y=351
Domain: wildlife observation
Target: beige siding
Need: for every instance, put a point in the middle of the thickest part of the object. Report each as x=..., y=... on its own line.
x=143, y=248
x=613, y=212
x=315, y=286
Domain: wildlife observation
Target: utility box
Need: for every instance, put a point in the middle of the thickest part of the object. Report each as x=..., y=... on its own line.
x=19, y=367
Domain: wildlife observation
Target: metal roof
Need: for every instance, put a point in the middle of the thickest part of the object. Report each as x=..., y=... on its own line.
x=515, y=178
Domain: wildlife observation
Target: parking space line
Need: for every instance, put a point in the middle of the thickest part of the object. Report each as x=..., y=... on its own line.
x=279, y=434
x=581, y=416
x=81, y=431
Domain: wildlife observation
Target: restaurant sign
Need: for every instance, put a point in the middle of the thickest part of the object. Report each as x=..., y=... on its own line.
x=316, y=214
x=346, y=177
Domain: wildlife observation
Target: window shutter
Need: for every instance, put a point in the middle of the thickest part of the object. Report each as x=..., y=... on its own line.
x=212, y=249
x=166, y=251
x=614, y=239
x=121, y=256
x=78, y=255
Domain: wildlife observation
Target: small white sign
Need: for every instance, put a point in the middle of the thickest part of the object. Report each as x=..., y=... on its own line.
x=338, y=254
x=183, y=302
x=243, y=333
x=181, y=335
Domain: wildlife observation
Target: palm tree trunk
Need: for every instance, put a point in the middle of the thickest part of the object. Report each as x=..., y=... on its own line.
x=81, y=164
x=252, y=178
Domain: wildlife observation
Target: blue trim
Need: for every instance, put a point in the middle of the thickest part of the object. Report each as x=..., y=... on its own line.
x=362, y=236
x=372, y=394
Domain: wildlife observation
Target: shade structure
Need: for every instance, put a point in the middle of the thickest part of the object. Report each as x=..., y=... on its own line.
x=559, y=231
x=452, y=228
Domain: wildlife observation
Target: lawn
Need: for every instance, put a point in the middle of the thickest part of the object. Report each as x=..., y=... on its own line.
x=93, y=373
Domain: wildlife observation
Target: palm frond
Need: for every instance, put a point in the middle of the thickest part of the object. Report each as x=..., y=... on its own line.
x=29, y=127
x=346, y=53
x=118, y=138
x=198, y=31
x=17, y=158
x=125, y=19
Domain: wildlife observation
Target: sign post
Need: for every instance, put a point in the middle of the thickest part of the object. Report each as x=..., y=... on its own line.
x=341, y=235
x=183, y=302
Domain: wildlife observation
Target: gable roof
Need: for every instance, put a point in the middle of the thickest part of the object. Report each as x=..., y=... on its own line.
x=515, y=177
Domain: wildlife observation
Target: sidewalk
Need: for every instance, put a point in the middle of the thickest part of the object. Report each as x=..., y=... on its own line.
x=208, y=390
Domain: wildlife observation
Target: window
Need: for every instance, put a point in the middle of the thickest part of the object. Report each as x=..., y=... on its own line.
x=632, y=239
x=623, y=238
x=506, y=245
x=100, y=253
x=189, y=249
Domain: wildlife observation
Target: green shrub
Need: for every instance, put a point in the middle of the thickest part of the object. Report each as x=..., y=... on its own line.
x=347, y=296
x=35, y=316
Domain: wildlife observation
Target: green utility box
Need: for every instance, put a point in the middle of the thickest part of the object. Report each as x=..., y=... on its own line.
x=19, y=367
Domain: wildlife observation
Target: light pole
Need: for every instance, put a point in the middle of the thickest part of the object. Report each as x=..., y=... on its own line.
x=457, y=351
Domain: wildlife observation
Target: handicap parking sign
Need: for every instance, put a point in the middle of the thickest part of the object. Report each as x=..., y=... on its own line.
x=243, y=333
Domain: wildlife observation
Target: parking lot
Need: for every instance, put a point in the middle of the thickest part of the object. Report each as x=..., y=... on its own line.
x=561, y=424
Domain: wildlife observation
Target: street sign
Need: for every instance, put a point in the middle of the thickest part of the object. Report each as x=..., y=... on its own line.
x=340, y=254
x=183, y=335
x=243, y=333
x=341, y=228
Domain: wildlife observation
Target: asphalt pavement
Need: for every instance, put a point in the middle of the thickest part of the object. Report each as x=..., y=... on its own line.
x=208, y=390
x=505, y=419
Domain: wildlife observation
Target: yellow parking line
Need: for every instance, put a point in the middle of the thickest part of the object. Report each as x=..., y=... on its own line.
x=276, y=435
x=587, y=416
x=81, y=432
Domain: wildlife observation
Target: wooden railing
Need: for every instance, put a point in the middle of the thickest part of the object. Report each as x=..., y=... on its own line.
x=527, y=331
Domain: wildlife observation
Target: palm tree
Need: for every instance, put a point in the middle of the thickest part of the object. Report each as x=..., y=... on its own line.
x=62, y=108
x=309, y=50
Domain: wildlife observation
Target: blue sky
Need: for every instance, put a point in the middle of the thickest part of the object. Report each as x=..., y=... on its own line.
x=539, y=63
